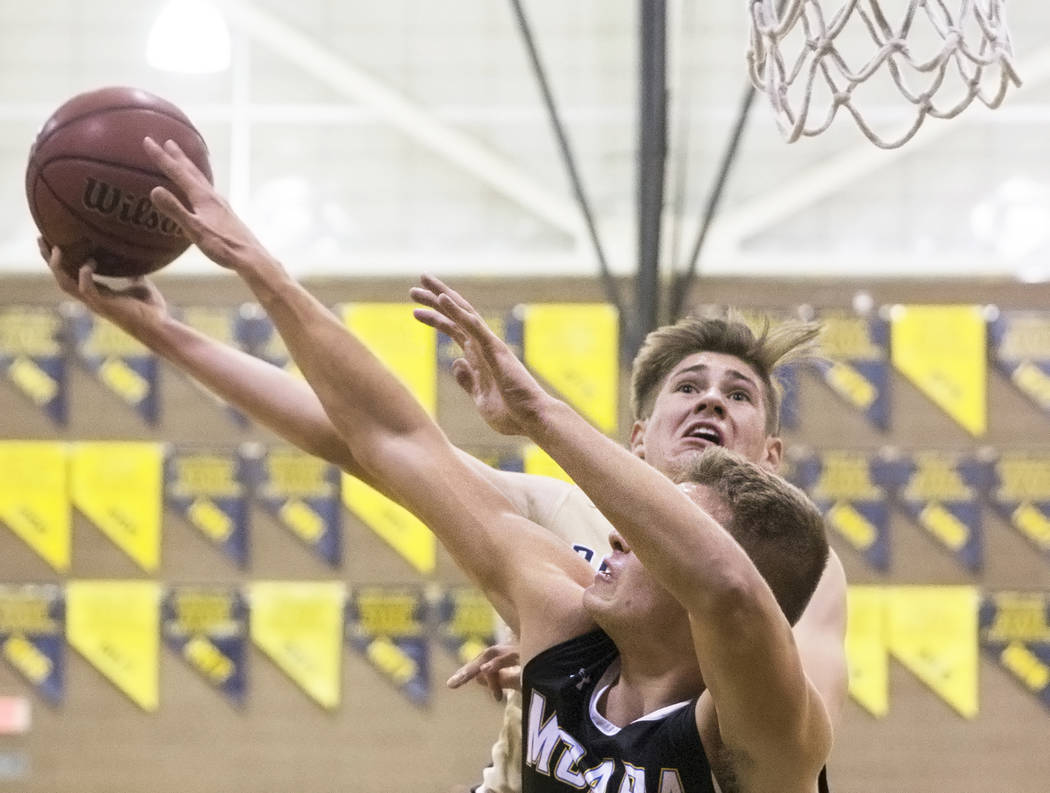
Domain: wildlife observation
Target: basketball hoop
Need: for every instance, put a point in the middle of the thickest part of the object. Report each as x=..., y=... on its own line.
x=801, y=55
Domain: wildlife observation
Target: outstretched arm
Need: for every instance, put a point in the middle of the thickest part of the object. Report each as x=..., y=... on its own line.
x=389, y=434
x=268, y=394
x=766, y=706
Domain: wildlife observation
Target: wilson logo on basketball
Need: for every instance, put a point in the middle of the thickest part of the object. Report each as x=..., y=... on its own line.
x=112, y=202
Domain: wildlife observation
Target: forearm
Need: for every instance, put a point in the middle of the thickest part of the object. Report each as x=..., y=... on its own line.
x=361, y=397
x=677, y=541
x=269, y=395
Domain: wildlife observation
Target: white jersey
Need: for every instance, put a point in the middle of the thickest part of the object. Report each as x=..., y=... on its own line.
x=573, y=518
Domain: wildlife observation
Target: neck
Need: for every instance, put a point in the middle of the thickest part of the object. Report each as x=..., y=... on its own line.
x=653, y=674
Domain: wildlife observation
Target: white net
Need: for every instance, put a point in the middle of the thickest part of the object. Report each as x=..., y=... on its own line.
x=804, y=56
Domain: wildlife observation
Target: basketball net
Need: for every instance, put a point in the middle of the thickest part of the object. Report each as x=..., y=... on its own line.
x=938, y=61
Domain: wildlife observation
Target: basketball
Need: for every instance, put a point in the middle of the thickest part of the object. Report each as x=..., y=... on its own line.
x=88, y=180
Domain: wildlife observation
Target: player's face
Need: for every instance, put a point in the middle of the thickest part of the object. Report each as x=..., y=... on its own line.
x=626, y=599
x=625, y=595
x=708, y=399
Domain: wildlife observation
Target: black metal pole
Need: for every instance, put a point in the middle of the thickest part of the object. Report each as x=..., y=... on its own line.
x=683, y=282
x=611, y=291
x=652, y=156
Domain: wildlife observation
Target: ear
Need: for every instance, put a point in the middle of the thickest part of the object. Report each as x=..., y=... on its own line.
x=638, y=439
x=773, y=453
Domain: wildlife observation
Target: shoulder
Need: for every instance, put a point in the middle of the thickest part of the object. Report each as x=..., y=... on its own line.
x=826, y=611
x=560, y=507
x=573, y=517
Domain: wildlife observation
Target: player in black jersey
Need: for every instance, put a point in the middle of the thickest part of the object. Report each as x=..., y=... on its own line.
x=692, y=668
x=685, y=614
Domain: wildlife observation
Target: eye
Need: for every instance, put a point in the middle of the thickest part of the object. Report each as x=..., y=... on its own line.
x=685, y=388
x=740, y=396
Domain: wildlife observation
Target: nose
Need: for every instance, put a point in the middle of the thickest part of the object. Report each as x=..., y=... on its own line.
x=711, y=401
x=617, y=542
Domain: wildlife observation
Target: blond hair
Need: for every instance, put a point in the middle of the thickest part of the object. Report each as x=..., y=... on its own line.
x=765, y=351
x=776, y=524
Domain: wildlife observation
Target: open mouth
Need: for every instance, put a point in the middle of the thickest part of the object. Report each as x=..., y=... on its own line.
x=705, y=433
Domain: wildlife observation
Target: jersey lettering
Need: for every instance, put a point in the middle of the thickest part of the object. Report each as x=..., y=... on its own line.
x=567, y=770
x=598, y=778
x=670, y=782
x=546, y=736
x=542, y=738
x=633, y=779
x=584, y=551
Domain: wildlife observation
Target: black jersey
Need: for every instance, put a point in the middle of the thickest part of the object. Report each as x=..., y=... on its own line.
x=568, y=746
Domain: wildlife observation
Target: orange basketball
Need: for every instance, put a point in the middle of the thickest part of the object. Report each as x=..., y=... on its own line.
x=89, y=179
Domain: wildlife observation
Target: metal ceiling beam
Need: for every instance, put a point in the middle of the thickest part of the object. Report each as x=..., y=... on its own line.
x=737, y=224
x=412, y=119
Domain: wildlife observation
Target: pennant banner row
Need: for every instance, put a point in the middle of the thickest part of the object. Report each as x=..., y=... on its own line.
x=301, y=626
x=123, y=488
x=119, y=627
x=573, y=346
x=942, y=493
x=943, y=349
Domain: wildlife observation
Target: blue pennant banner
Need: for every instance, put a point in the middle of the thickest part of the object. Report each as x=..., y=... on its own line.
x=1020, y=492
x=32, y=636
x=302, y=493
x=941, y=492
x=846, y=487
x=33, y=359
x=1019, y=343
x=1015, y=632
x=122, y=364
x=466, y=622
x=858, y=363
x=208, y=628
x=209, y=488
x=388, y=626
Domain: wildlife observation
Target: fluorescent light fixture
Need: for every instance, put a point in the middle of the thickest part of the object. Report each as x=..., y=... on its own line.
x=189, y=37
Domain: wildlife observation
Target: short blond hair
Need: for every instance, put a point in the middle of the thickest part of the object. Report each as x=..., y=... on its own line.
x=776, y=524
x=764, y=350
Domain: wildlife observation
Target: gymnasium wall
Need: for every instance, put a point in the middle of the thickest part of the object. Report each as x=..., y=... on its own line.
x=353, y=715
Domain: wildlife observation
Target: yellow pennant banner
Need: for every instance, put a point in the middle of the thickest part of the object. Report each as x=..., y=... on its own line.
x=867, y=652
x=536, y=461
x=575, y=348
x=34, y=497
x=402, y=530
x=407, y=347
x=409, y=350
x=943, y=350
x=933, y=632
x=120, y=487
x=116, y=626
x=299, y=625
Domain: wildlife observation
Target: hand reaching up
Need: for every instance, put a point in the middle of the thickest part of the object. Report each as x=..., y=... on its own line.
x=205, y=217
x=506, y=395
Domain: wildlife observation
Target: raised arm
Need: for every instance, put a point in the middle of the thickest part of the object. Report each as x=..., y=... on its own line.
x=269, y=395
x=766, y=707
x=389, y=434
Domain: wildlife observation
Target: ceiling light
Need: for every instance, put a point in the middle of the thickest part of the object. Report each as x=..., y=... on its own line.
x=189, y=37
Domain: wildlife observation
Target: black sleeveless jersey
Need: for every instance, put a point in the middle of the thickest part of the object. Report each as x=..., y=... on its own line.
x=568, y=746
